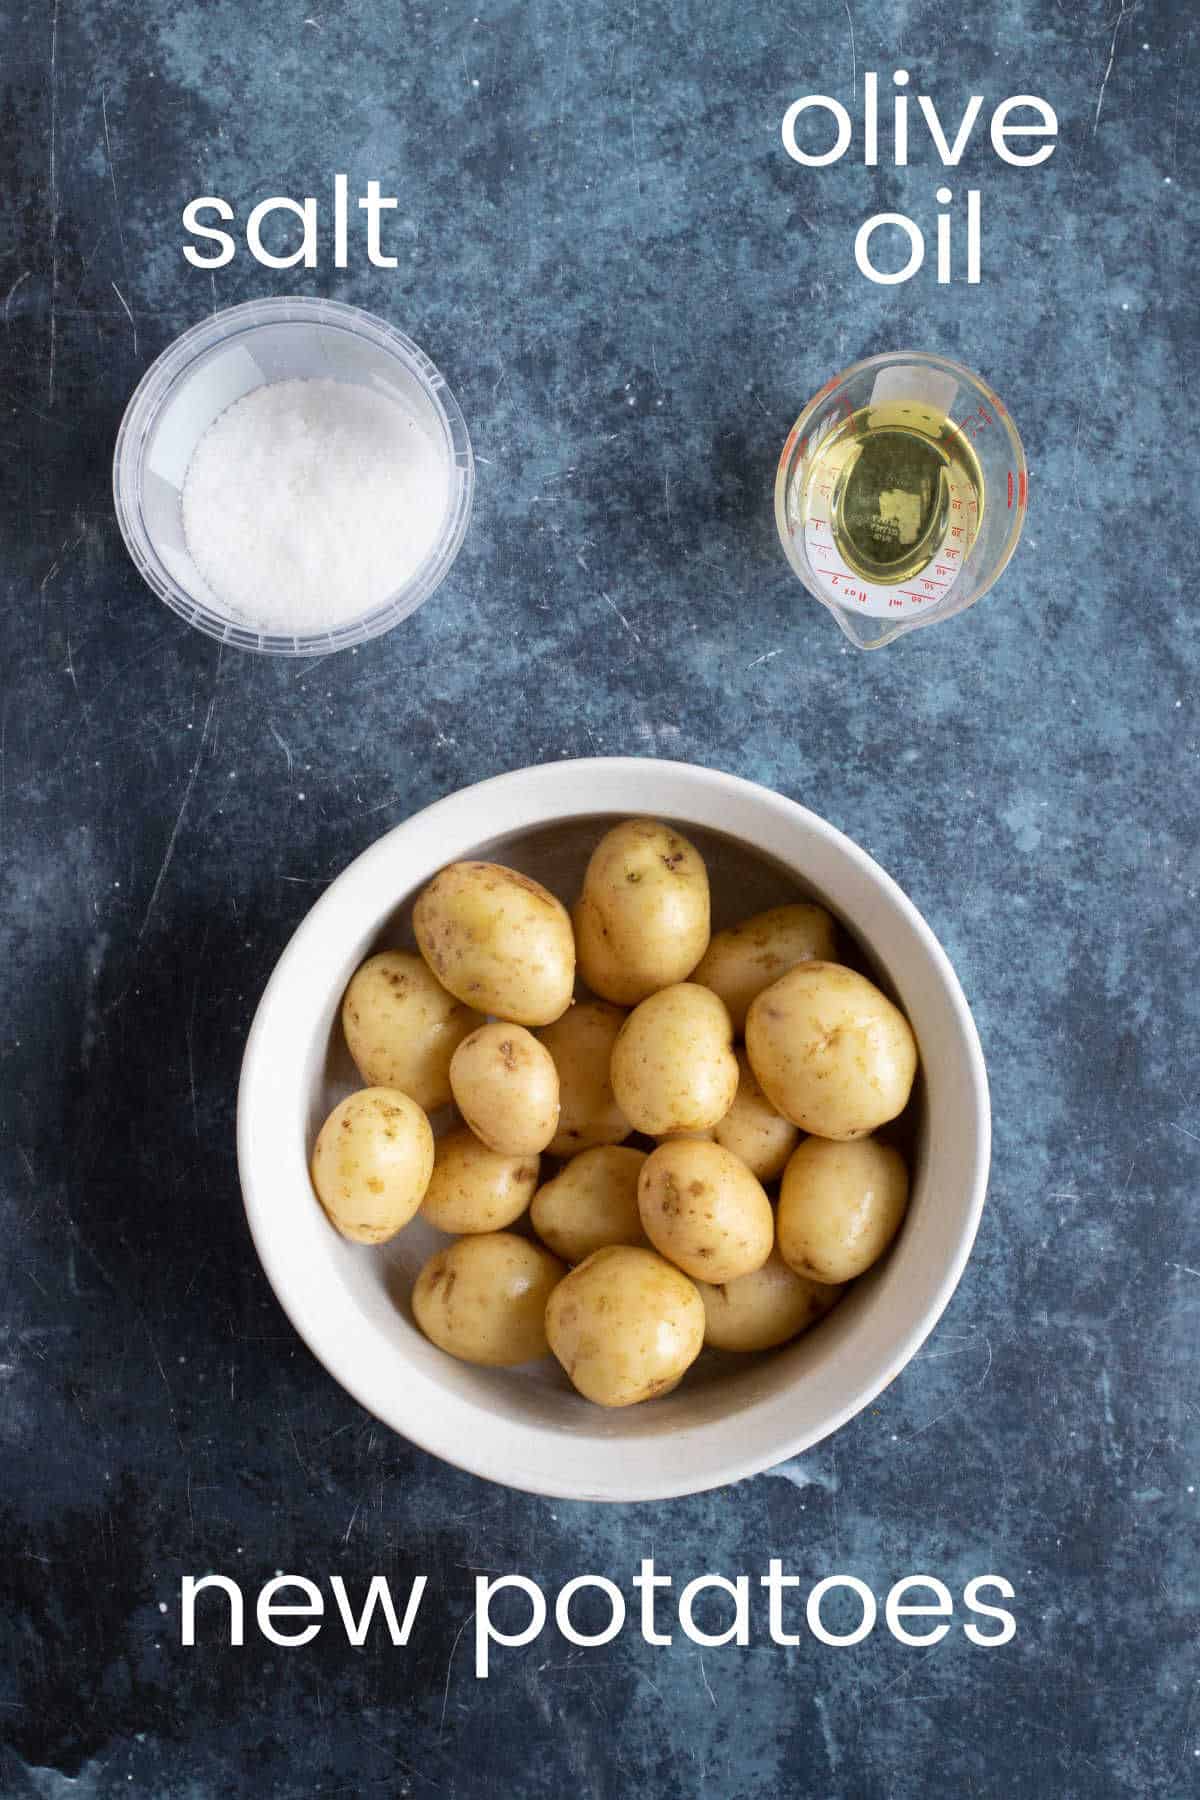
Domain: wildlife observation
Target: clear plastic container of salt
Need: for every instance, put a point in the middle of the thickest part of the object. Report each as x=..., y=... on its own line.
x=293, y=476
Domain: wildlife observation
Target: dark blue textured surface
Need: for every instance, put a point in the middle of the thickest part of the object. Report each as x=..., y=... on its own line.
x=632, y=291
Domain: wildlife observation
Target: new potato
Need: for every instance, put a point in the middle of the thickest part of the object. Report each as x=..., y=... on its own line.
x=759, y=1136
x=498, y=941
x=625, y=1325
x=371, y=1163
x=840, y=1206
x=484, y=1298
x=743, y=960
x=673, y=1067
x=506, y=1088
x=642, y=920
x=402, y=1027
x=593, y=1203
x=581, y=1044
x=830, y=1052
x=764, y=1309
x=474, y=1189
x=704, y=1211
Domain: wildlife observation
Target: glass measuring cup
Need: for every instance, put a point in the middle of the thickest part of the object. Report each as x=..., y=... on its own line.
x=940, y=399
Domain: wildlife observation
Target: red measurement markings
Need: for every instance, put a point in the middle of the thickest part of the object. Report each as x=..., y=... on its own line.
x=850, y=593
x=969, y=428
x=930, y=588
x=1023, y=487
x=1010, y=490
x=843, y=413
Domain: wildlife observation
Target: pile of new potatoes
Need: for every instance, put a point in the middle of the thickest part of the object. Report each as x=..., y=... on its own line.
x=655, y=1234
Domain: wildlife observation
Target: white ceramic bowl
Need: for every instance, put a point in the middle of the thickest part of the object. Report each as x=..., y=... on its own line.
x=527, y=1428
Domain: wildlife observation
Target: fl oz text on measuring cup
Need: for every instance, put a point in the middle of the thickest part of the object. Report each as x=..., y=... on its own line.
x=900, y=494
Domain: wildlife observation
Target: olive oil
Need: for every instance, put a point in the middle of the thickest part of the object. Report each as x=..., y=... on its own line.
x=892, y=490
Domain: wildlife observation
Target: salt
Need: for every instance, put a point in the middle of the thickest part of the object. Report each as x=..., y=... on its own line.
x=309, y=503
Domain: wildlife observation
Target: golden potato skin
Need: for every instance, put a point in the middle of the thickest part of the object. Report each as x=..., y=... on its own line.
x=372, y=1162
x=642, y=920
x=831, y=1052
x=474, y=1189
x=402, y=1027
x=840, y=1206
x=506, y=1088
x=673, y=1067
x=743, y=960
x=591, y=1204
x=756, y=1134
x=581, y=1044
x=704, y=1211
x=498, y=941
x=484, y=1298
x=625, y=1325
x=764, y=1309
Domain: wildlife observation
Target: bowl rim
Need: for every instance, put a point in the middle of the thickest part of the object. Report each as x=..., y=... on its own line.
x=554, y=793
x=145, y=407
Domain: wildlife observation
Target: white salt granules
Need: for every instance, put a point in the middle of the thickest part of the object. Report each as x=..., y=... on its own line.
x=307, y=503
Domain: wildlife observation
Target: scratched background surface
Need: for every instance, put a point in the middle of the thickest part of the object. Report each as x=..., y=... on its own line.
x=632, y=291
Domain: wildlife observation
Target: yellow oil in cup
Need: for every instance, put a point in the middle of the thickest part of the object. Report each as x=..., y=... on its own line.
x=901, y=494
